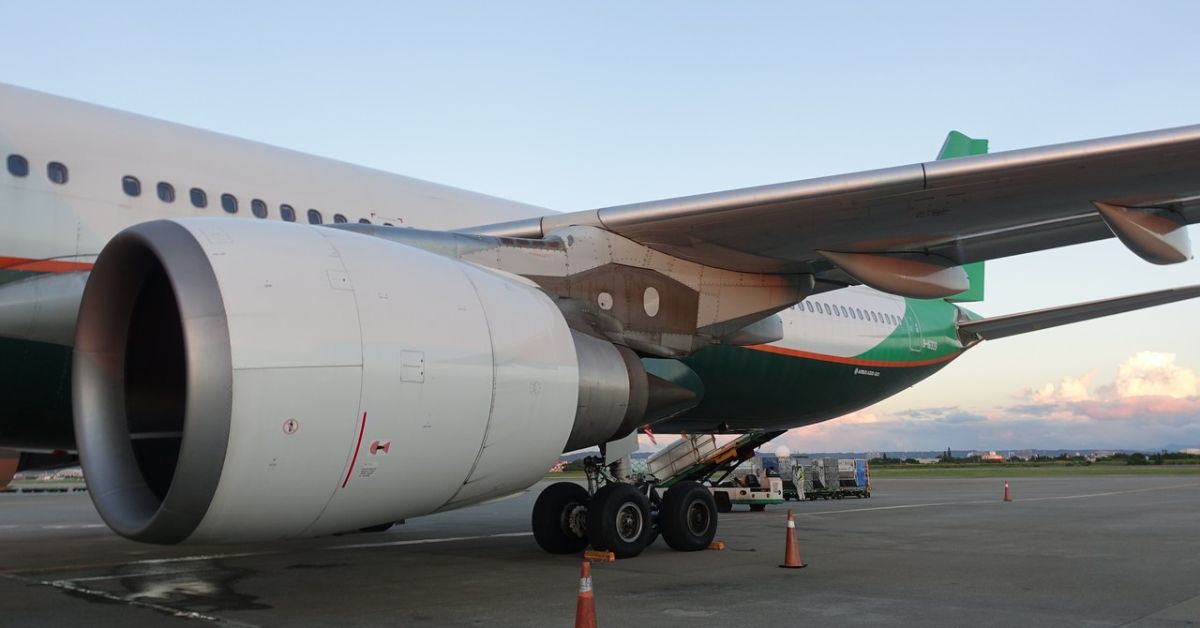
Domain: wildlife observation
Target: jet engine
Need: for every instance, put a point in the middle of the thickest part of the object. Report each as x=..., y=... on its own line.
x=245, y=380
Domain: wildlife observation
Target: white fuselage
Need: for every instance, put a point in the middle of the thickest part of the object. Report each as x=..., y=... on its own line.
x=98, y=146
x=71, y=222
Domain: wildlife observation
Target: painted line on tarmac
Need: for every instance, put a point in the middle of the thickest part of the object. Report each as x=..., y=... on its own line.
x=122, y=563
x=198, y=557
x=900, y=507
x=1132, y=490
x=51, y=526
x=144, y=574
x=997, y=501
x=448, y=539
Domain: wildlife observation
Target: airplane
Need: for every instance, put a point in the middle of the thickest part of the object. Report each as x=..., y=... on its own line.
x=244, y=343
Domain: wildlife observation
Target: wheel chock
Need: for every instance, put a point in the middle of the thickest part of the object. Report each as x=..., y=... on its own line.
x=717, y=546
x=597, y=556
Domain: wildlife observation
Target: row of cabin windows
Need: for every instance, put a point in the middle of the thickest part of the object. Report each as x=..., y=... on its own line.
x=852, y=312
x=166, y=193
x=18, y=166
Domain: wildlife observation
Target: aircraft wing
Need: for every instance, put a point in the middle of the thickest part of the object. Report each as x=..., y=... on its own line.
x=1143, y=187
x=1013, y=324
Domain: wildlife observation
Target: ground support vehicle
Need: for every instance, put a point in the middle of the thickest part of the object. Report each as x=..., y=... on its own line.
x=699, y=459
x=730, y=494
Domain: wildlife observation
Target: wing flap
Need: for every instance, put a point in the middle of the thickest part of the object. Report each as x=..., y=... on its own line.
x=1013, y=324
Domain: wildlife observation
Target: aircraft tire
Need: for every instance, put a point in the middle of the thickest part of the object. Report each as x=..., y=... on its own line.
x=688, y=518
x=618, y=520
x=559, y=518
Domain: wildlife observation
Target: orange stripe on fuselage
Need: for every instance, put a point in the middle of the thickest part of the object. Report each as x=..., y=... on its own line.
x=851, y=361
x=41, y=266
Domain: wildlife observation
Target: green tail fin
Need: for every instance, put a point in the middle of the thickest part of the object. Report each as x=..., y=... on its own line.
x=959, y=145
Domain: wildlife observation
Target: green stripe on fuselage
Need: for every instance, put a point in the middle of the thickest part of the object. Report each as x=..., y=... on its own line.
x=928, y=332
x=750, y=389
x=35, y=390
x=8, y=276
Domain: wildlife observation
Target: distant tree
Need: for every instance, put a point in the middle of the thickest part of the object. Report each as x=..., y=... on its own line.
x=911, y=461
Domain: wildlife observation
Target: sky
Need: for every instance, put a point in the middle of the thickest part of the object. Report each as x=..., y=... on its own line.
x=574, y=106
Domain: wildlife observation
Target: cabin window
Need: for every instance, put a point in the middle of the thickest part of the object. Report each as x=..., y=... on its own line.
x=874, y=318
x=364, y=221
x=229, y=203
x=314, y=217
x=340, y=219
x=258, y=208
x=199, y=198
x=18, y=166
x=287, y=213
x=808, y=306
x=131, y=185
x=56, y=172
x=166, y=192
x=844, y=312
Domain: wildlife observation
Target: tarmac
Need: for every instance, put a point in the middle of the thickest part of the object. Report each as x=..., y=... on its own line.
x=1075, y=551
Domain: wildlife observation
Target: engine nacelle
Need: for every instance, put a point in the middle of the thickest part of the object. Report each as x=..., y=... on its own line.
x=242, y=380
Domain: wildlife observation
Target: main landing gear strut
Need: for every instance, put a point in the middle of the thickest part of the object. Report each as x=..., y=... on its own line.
x=622, y=517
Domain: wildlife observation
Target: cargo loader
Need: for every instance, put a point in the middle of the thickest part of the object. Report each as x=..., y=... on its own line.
x=698, y=458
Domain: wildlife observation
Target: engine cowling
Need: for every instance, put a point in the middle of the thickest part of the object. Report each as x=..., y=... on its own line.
x=243, y=380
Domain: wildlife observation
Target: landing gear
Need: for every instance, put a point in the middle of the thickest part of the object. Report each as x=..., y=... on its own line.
x=688, y=517
x=559, y=518
x=619, y=520
x=622, y=517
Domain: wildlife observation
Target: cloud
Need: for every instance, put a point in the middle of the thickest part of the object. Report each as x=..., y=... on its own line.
x=1069, y=389
x=1150, y=403
x=1154, y=374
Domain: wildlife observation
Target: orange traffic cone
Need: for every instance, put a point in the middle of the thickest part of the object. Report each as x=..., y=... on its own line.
x=1007, y=494
x=585, y=608
x=791, y=553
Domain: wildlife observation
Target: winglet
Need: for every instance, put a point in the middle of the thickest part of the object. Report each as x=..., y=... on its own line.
x=960, y=145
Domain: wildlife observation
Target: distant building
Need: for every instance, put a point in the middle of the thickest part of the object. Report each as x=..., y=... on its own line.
x=991, y=456
x=558, y=466
x=1195, y=451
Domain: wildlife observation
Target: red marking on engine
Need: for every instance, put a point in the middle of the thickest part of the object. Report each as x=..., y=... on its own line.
x=380, y=446
x=362, y=428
